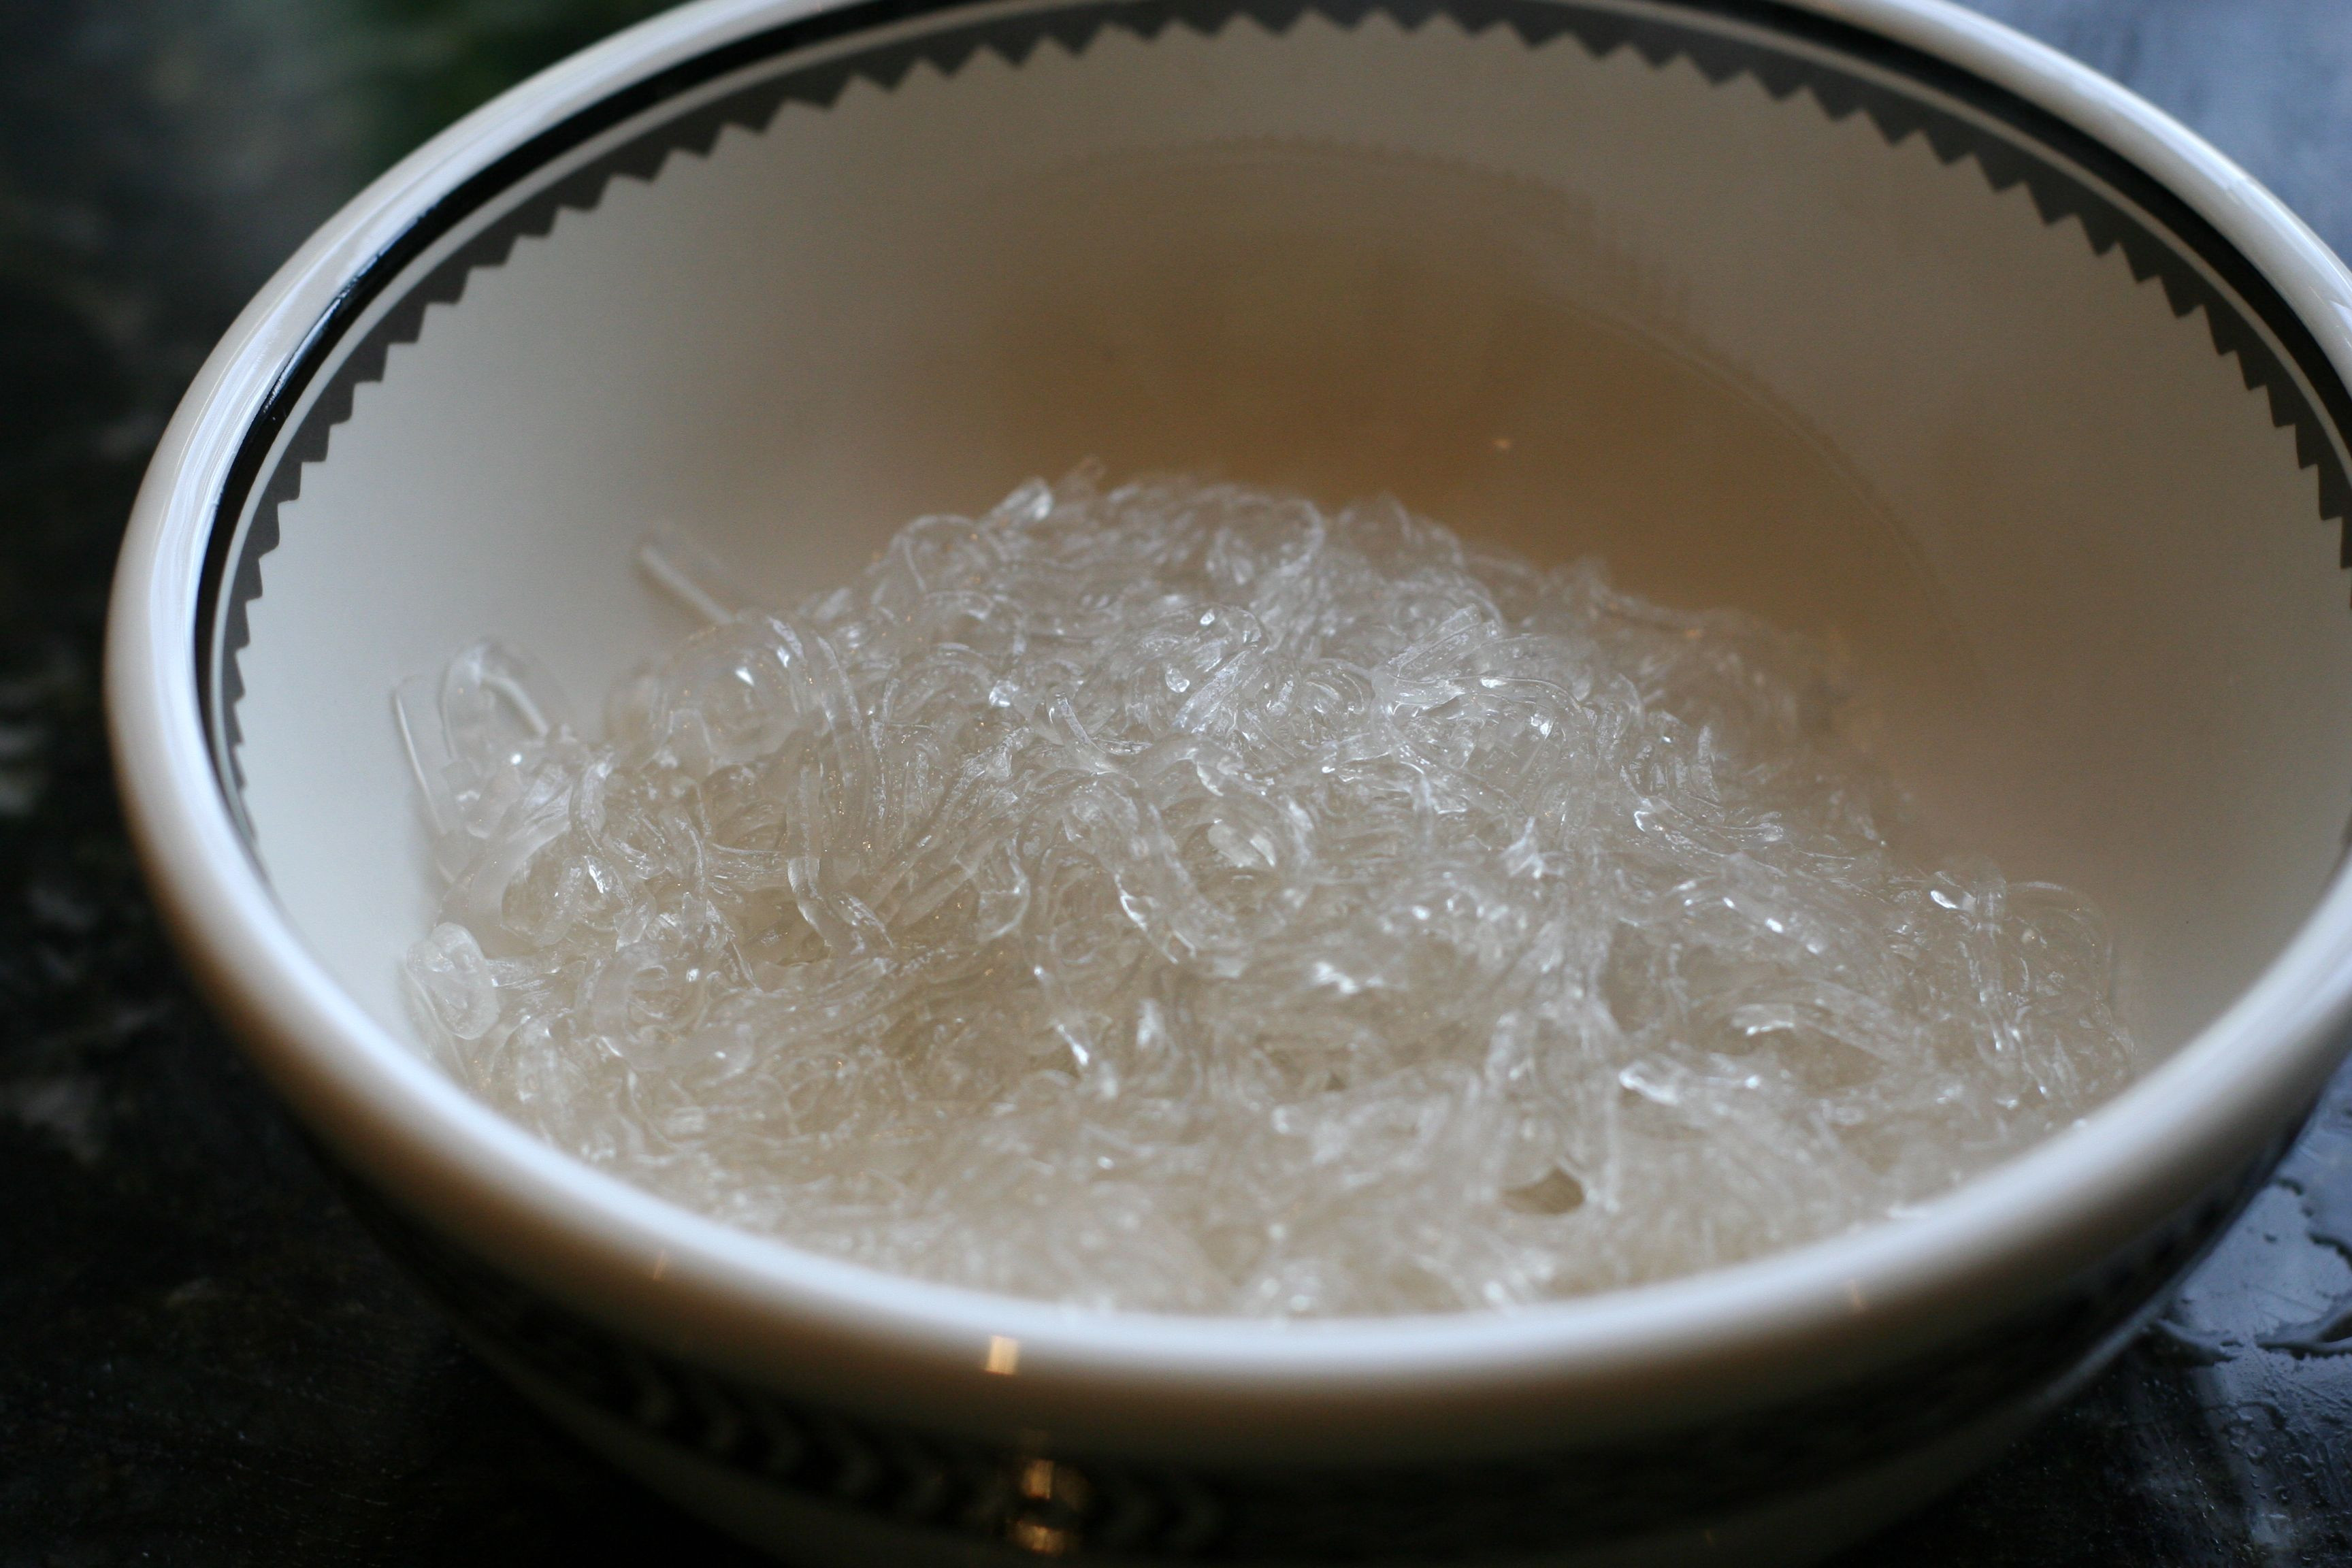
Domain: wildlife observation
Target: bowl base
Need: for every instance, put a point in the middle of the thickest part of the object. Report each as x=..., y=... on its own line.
x=1785, y=1533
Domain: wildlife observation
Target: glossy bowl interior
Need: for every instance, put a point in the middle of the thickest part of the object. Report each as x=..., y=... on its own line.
x=1866, y=317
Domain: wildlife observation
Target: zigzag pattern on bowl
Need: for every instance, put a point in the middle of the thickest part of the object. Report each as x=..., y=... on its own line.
x=1723, y=39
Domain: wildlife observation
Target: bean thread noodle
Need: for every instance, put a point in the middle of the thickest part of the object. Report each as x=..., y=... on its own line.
x=1177, y=896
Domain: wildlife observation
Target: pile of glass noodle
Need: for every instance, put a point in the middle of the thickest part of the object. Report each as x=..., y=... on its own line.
x=1179, y=898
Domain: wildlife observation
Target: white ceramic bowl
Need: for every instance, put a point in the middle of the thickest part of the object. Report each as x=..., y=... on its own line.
x=1868, y=315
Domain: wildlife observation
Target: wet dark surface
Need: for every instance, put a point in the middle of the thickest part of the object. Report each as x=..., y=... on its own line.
x=203, y=1360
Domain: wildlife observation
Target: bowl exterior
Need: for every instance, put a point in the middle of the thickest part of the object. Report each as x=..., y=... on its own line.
x=1783, y=1481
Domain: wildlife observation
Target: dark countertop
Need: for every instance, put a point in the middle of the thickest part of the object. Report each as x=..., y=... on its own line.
x=204, y=1361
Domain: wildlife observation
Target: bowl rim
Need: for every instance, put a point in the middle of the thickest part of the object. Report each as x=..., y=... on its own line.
x=757, y=1304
